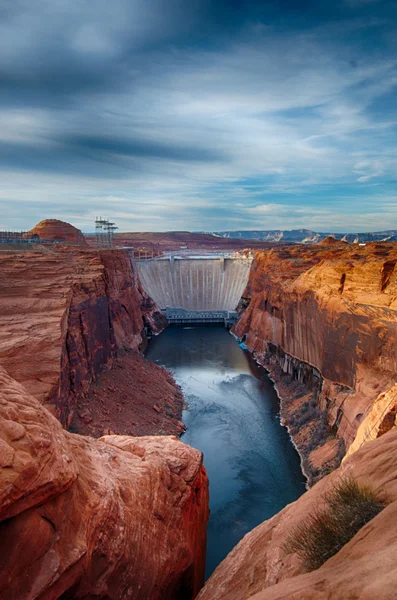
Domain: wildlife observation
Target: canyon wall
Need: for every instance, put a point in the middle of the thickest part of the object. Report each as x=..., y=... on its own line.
x=258, y=568
x=64, y=313
x=327, y=317
x=114, y=518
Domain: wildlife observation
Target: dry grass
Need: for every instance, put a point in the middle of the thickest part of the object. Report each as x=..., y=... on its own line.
x=349, y=506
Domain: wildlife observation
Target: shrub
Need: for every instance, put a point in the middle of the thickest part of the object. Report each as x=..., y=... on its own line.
x=349, y=506
x=308, y=413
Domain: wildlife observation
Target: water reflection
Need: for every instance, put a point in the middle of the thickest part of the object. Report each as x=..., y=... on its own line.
x=253, y=468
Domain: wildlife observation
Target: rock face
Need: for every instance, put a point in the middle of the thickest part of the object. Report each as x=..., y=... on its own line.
x=328, y=313
x=131, y=397
x=111, y=519
x=330, y=240
x=54, y=230
x=64, y=312
x=258, y=569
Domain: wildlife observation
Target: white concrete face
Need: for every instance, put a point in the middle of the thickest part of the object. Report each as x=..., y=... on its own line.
x=195, y=283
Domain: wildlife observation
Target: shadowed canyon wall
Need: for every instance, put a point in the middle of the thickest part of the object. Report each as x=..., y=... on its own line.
x=329, y=313
x=195, y=283
x=64, y=312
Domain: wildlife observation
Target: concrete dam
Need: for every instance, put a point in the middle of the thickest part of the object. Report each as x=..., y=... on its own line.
x=202, y=285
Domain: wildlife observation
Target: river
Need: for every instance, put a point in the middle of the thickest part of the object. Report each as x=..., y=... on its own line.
x=232, y=417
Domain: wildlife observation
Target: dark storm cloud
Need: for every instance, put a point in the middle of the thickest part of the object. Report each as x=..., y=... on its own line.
x=51, y=51
x=117, y=146
x=187, y=114
x=57, y=158
x=96, y=155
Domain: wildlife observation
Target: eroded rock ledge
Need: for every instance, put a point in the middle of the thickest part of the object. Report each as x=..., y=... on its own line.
x=258, y=568
x=332, y=309
x=114, y=518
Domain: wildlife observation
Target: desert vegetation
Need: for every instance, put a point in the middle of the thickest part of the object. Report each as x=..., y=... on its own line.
x=348, y=506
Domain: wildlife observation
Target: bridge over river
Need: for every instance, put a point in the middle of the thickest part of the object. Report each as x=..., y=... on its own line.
x=195, y=289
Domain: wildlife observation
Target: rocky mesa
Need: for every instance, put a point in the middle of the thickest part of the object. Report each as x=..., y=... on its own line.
x=54, y=230
x=119, y=517
x=323, y=319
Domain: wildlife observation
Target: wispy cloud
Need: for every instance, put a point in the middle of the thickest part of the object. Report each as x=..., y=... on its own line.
x=162, y=118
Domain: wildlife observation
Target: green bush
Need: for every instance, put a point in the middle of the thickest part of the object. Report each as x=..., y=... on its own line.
x=349, y=506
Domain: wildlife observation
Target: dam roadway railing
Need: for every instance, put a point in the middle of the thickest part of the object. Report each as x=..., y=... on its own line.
x=195, y=283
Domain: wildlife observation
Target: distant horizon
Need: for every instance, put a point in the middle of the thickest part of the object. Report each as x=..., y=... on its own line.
x=208, y=232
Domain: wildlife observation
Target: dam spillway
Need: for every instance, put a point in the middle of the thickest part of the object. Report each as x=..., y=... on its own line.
x=195, y=283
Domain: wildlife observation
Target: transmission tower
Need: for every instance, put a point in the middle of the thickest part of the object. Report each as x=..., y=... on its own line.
x=104, y=230
x=109, y=228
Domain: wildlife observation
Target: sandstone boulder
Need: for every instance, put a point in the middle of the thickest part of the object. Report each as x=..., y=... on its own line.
x=112, y=519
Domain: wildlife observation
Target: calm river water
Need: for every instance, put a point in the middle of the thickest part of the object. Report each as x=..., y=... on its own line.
x=232, y=417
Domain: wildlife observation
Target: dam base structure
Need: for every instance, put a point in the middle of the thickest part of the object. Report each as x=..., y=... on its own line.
x=181, y=316
x=202, y=289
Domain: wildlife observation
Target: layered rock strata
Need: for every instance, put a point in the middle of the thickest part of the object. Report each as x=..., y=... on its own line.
x=110, y=519
x=64, y=313
x=328, y=314
x=259, y=569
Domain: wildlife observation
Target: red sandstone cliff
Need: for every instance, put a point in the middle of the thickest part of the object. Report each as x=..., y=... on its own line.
x=258, y=568
x=328, y=316
x=54, y=230
x=64, y=312
x=109, y=519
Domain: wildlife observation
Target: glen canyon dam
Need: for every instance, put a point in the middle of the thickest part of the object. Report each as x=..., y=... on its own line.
x=195, y=283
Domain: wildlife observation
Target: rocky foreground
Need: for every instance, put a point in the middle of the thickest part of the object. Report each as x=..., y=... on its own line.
x=119, y=517
x=259, y=569
x=323, y=319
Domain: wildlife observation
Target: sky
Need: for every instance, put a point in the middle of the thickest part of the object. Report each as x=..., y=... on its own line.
x=199, y=115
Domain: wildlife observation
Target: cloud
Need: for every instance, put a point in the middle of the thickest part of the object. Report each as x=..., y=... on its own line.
x=192, y=115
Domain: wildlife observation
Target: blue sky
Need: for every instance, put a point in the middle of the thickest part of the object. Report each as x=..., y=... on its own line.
x=171, y=114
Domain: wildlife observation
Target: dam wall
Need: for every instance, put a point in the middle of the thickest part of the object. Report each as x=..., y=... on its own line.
x=204, y=283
